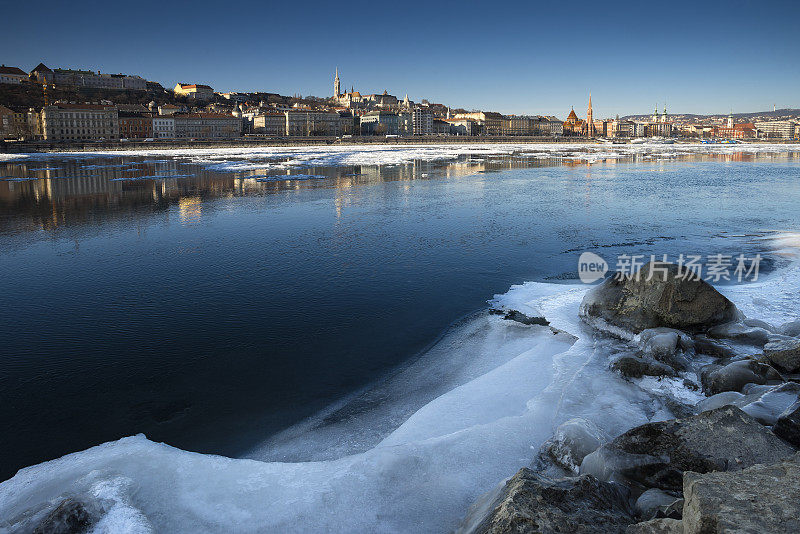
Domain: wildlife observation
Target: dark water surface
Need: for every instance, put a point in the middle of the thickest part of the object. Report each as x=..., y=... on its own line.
x=208, y=310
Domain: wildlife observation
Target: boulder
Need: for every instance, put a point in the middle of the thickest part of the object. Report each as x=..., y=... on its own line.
x=657, y=526
x=788, y=425
x=518, y=316
x=791, y=329
x=666, y=345
x=637, y=367
x=572, y=441
x=758, y=323
x=784, y=354
x=632, y=304
x=655, y=455
x=69, y=517
x=733, y=377
x=531, y=503
x=655, y=503
x=767, y=407
x=716, y=401
x=741, y=332
x=712, y=347
x=761, y=498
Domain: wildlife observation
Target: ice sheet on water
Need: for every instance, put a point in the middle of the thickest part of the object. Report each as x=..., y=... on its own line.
x=232, y=159
x=409, y=454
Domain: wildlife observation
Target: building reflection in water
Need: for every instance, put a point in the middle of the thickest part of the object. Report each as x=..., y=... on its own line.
x=72, y=190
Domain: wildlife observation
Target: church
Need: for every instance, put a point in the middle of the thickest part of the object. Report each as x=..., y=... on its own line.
x=355, y=100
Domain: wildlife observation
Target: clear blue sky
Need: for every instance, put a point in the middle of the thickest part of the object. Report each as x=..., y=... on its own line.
x=507, y=56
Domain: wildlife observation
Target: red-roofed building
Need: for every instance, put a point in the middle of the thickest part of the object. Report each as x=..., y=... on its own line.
x=194, y=90
x=744, y=130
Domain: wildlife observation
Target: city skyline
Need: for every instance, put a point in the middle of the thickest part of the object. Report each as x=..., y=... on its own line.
x=702, y=59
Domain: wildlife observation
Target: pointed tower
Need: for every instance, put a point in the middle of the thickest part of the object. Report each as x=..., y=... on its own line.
x=589, y=119
x=730, y=120
x=664, y=116
x=655, y=114
x=336, y=85
x=406, y=102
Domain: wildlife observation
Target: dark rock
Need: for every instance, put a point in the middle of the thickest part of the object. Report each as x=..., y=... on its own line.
x=784, y=354
x=758, y=323
x=705, y=345
x=636, y=367
x=791, y=329
x=634, y=304
x=766, y=407
x=759, y=499
x=531, y=503
x=69, y=517
x=655, y=503
x=572, y=441
x=518, y=316
x=788, y=425
x=655, y=455
x=733, y=376
x=716, y=401
x=741, y=332
x=666, y=345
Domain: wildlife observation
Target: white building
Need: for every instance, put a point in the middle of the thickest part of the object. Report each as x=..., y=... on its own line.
x=422, y=121
x=164, y=127
x=776, y=129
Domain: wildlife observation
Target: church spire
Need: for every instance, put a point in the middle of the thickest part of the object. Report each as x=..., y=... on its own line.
x=336, y=85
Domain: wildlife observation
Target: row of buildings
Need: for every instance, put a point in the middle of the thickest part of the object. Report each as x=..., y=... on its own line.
x=229, y=115
x=98, y=122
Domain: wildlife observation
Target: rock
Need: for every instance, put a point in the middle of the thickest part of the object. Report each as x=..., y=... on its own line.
x=69, y=517
x=758, y=323
x=720, y=399
x=531, y=503
x=518, y=316
x=666, y=345
x=766, y=407
x=633, y=304
x=762, y=498
x=655, y=455
x=791, y=329
x=788, y=425
x=657, y=526
x=655, y=503
x=572, y=441
x=733, y=376
x=636, y=367
x=741, y=332
x=784, y=354
x=705, y=345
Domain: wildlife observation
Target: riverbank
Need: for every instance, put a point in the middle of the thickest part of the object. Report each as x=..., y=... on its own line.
x=729, y=462
x=254, y=142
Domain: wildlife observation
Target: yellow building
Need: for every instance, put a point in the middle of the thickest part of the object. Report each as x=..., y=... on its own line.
x=194, y=90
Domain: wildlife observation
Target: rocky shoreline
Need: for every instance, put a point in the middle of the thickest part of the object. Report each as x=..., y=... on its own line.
x=729, y=463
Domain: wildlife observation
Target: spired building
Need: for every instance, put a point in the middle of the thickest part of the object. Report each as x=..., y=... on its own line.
x=355, y=100
x=589, y=119
x=573, y=125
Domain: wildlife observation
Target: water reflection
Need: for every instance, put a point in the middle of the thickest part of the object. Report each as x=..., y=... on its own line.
x=68, y=190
